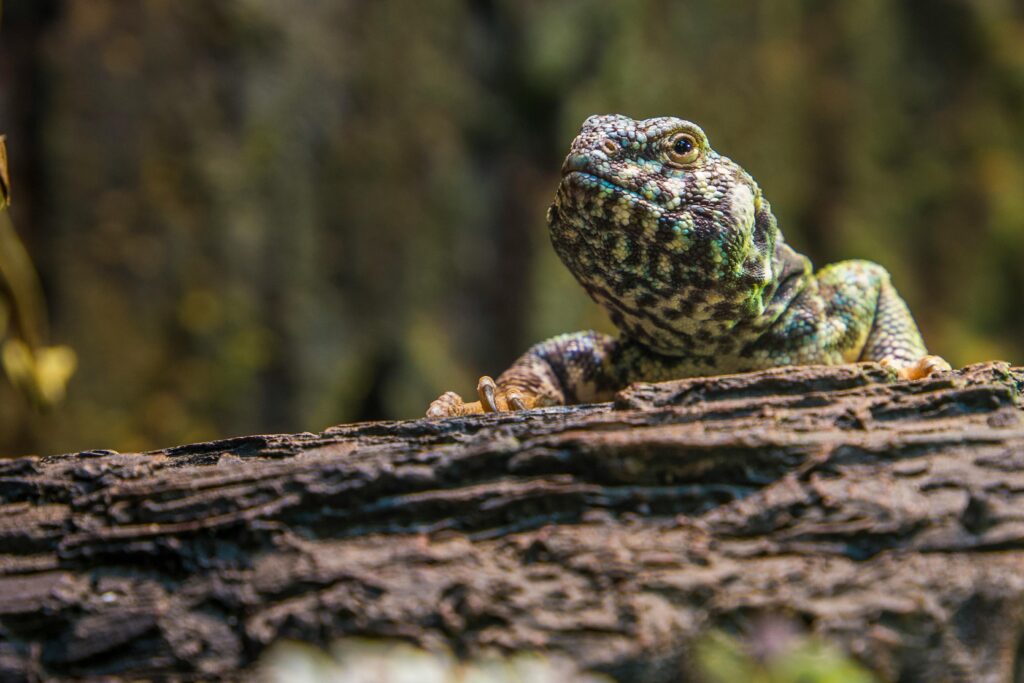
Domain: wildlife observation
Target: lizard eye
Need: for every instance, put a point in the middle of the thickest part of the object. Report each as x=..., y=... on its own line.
x=683, y=149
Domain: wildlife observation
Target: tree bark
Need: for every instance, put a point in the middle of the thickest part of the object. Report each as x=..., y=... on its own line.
x=885, y=516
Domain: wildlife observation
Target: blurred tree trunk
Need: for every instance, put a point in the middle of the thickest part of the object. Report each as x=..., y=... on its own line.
x=884, y=516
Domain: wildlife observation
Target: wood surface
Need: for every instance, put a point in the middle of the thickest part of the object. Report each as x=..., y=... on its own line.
x=885, y=516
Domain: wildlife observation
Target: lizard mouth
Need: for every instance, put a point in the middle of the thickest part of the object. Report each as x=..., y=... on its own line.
x=592, y=185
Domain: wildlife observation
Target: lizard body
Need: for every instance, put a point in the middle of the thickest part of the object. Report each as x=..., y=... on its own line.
x=678, y=244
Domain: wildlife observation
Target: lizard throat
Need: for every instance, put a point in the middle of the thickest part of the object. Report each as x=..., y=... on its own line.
x=676, y=281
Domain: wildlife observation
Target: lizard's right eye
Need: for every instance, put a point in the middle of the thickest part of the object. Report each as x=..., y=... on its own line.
x=683, y=149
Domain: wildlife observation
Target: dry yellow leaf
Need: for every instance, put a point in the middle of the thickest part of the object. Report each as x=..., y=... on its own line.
x=18, y=364
x=54, y=367
x=39, y=374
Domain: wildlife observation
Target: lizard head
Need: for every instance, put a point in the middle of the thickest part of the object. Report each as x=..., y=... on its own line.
x=673, y=239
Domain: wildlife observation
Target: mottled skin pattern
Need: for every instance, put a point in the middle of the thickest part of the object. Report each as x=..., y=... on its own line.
x=678, y=244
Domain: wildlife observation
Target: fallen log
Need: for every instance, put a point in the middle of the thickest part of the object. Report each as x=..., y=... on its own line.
x=885, y=516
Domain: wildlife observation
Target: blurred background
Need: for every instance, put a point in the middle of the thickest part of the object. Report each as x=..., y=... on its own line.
x=257, y=216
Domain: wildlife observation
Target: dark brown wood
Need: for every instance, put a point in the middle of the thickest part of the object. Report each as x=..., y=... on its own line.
x=886, y=516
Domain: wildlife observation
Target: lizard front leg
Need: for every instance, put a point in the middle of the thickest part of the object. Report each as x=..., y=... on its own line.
x=892, y=338
x=569, y=368
x=895, y=341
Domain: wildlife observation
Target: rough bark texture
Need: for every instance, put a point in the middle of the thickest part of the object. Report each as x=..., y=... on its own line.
x=887, y=516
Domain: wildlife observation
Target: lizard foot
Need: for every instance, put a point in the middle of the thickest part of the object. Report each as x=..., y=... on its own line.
x=926, y=366
x=492, y=400
x=450, y=404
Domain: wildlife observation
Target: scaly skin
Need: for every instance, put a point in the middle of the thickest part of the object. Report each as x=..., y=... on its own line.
x=677, y=243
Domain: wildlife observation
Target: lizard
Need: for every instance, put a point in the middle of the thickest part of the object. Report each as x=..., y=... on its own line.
x=681, y=248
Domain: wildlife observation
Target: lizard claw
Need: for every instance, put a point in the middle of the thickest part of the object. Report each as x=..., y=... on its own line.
x=926, y=366
x=494, y=399
x=515, y=400
x=485, y=389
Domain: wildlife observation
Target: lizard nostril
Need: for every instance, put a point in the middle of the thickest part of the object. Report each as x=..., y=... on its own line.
x=609, y=146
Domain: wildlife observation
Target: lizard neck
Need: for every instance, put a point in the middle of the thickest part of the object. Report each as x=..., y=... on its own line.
x=714, y=313
x=699, y=282
x=792, y=273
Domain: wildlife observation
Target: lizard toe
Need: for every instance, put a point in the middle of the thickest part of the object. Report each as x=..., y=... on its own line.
x=497, y=399
x=515, y=400
x=447, y=404
x=486, y=389
x=926, y=366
